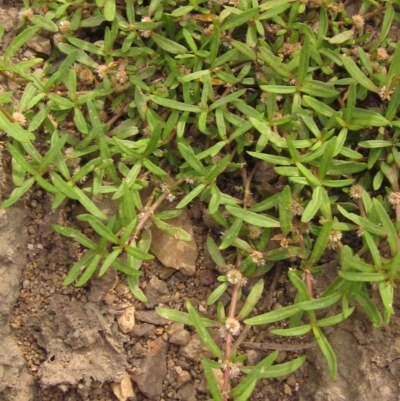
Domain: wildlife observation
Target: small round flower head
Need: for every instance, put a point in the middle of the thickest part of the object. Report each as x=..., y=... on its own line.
x=296, y=208
x=19, y=118
x=381, y=54
x=189, y=180
x=122, y=77
x=232, y=325
x=77, y=68
x=234, y=368
x=264, y=98
x=58, y=38
x=385, y=94
x=64, y=26
x=171, y=197
x=304, y=228
x=102, y=71
x=254, y=232
x=103, y=117
x=394, y=198
x=356, y=191
x=334, y=237
x=209, y=30
x=258, y=258
x=86, y=76
x=234, y=277
x=146, y=19
x=249, y=136
x=25, y=13
x=164, y=187
x=358, y=21
x=145, y=33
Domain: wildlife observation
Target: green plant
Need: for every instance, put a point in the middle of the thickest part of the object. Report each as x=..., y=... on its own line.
x=179, y=96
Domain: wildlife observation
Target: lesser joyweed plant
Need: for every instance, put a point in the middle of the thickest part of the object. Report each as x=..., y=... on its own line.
x=280, y=116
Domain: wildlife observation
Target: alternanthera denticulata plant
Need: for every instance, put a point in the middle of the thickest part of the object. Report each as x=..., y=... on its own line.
x=280, y=116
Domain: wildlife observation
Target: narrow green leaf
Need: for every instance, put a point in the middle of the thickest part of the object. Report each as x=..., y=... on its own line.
x=321, y=243
x=89, y=270
x=273, y=316
x=75, y=234
x=252, y=218
x=313, y=205
x=217, y=293
x=363, y=223
x=327, y=350
x=341, y=37
x=285, y=213
x=190, y=196
x=18, y=42
x=214, y=252
x=319, y=303
x=236, y=20
x=182, y=317
x=202, y=332
x=252, y=299
x=334, y=320
x=18, y=192
x=109, y=261
x=224, y=100
x=364, y=277
x=99, y=227
x=294, y=331
x=213, y=386
x=231, y=234
x=388, y=225
x=173, y=104
x=358, y=75
x=109, y=10
x=168, y=45
x=283, y=369
x=77, y=268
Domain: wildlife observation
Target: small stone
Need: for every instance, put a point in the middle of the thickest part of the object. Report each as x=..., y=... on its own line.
x=39, y=44
x=195, y=349
x=291, y=380
x=166, y=272
x=157, y=293
x=206, y=277
x=178, y=369
x=143, y=330
x=179, y=337
x=187, y=392
x=183, y=378
x=150, y=374
x=253, y=357
x=26, y=284
x=126, y=321
x=281, y=356
x=174, y=253
x=122, y=289
x=287, y=389
x=138, y=350
x=151, y=317
x=124, y=389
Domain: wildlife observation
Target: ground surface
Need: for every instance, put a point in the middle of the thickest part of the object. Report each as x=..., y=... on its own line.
x=63, y=343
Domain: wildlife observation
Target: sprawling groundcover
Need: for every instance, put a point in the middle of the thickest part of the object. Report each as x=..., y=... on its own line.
x=280, y=116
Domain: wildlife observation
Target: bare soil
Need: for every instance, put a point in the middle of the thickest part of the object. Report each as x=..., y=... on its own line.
x=65, y=343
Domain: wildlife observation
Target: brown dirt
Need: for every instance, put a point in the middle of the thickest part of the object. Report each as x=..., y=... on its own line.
x=63, y=343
